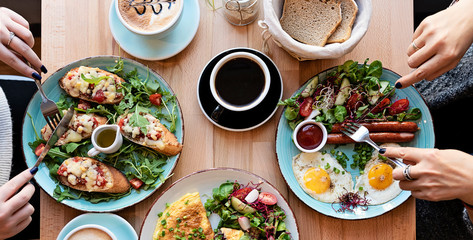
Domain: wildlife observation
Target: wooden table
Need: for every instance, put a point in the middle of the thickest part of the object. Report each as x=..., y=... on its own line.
x=75, y=29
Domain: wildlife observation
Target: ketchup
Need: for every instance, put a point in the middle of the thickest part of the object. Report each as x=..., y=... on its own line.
x=309, y=136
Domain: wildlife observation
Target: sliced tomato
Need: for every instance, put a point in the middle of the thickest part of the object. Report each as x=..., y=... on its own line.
x=136, y=183
x=61, y=170
x=399, y=106
x=99, y=96
x=39, y=149
x=306, y=107
x=267, y=198
x=381, y=106
x=241, y=193
x=155, y=99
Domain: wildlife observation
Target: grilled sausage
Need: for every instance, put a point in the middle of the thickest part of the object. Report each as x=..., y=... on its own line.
x=379, y=137
x=383, y=127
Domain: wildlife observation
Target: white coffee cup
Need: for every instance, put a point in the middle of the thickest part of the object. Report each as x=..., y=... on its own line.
x=88, y=236
x=159, y=33
x=226, y=105
x=117, y=143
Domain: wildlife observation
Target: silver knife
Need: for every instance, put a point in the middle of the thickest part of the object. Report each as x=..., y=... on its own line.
x=57, y=133
x=373, y=107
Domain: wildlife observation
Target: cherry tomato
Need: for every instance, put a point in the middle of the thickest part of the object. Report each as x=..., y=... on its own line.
x=381, y=106
x=241, y=193
x=121, y=123
x=399, y=106
x=267, y=198
x=136, y=183
x=355, y=101
x=99, y=96
x=155, y=99
x=39, y=149
x=306, y=107
x=83, y=105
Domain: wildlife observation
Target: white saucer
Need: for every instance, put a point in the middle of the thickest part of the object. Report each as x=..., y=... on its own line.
x=152, y=48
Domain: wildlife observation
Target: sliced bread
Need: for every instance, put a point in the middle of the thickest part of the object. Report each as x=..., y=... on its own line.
x=343, y=31
x=311, y=21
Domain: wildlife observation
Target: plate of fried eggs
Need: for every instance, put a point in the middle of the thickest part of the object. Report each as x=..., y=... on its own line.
x=320, y=181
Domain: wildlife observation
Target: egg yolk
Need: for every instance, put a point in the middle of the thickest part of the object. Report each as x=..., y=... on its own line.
x=317, y=180
x=380, y=176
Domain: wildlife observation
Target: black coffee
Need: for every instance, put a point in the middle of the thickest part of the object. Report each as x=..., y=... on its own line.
x=239, y=81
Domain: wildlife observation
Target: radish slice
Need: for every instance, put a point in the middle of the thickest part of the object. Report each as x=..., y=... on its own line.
x=244, y=223
x=252, y=196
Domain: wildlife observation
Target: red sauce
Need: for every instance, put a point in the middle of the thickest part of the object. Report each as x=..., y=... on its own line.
x=309, y=136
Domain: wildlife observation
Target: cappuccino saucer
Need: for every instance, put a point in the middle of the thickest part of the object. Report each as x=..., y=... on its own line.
x=152, y=48
x=116, y=224
x=245, y=120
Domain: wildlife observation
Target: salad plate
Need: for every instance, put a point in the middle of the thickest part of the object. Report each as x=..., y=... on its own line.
x=34, y=121
x=286, y=150
x=152, y=48
x=245, y=120
x=116, y=224
x=204, y=182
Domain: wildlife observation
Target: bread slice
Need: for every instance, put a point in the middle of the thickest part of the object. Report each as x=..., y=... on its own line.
x=311, y=21
x=343, y=31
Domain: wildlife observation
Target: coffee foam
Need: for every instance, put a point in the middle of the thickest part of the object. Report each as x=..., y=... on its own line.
x=149, y=21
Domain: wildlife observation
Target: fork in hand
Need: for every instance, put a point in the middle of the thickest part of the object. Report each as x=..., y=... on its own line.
x=48, y=108
x=360, y=133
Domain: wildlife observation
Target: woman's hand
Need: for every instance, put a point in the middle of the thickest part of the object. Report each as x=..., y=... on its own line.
x=438, y=174
x=15, y=211
x=16, y=49
x=442, y=39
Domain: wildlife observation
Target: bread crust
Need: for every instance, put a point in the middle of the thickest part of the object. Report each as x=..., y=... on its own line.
x=348, y=32
x=119, y=181
x=85, y=97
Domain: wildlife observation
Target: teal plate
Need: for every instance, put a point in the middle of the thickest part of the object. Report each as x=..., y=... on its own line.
x=150, y=47
x=116, y=224
x=286, y=150
x=53, y=91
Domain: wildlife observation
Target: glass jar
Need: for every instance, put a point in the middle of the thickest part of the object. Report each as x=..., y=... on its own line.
x=240, y=12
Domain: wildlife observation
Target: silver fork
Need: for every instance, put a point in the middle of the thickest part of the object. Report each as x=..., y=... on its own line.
x=360, y=133
x=48, y=108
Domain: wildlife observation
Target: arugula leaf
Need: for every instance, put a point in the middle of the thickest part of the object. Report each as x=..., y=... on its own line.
x=118, y=68
x=66, y=194
x=71, y=147
x=92, y=79
x=137, y=120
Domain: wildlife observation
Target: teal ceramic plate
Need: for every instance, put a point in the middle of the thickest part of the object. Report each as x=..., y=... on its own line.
x=285, y=150
x=116, y=224
x=152, y=48
x=53, y=91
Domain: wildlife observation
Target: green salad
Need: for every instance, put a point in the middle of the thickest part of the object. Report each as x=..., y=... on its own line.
x=141, y=165
x=247, y=210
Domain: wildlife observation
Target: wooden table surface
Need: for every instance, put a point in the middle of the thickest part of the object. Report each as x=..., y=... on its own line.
x=76, y=29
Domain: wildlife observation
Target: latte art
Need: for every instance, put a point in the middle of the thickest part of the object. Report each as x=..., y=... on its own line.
x=149, y=15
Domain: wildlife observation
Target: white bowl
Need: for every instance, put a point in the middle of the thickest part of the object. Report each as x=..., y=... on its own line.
x=272, y=13
x=307, y=122
x=160, y=33
x=91, y=226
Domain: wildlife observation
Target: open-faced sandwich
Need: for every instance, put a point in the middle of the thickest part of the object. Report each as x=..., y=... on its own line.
x=80, y=127
x=92, y=84
x=87, y=174
x=144, y=129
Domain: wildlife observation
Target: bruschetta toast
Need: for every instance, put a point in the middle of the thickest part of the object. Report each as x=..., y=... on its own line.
x=92, y=84
x=154, y=135
x=81, y=127
x=90, y=175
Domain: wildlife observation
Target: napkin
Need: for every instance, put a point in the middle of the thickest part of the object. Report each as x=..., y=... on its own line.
x=6, y=138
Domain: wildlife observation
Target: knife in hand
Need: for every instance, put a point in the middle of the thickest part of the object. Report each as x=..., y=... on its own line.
x=57, y=133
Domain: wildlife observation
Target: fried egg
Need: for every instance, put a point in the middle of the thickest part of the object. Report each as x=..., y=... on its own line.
x=321, y=176
x=377, y=180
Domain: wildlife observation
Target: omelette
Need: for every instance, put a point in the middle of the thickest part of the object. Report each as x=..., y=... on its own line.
x=183, y=219
x=232, y=234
